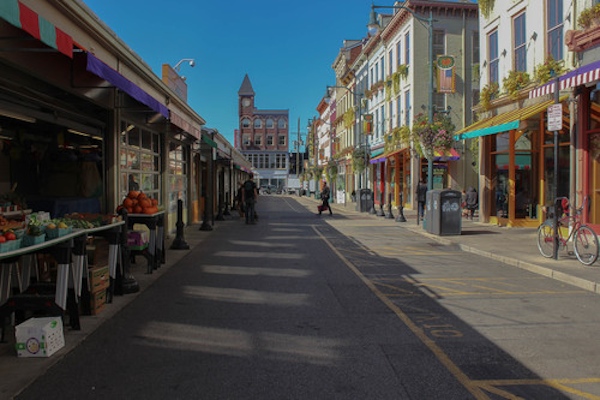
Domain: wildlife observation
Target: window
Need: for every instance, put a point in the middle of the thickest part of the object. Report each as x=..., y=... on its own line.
x=391, y=62
x=398, y=112
x=439, y=43
x=246, y=140
x=407, y=49
x=258, y=140
x=281, y=123
x=407, y=108
x=399, y=54
x=475, y=56
x=520, y=47
x=245, y=123
x=493, y=57
x=439, y=101
x=555, y=28
x=281, y=140
x=270, y=140
x=258, y=123
x=140, y=157
x=270, y=123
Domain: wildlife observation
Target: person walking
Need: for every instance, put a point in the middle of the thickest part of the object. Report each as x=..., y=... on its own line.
x=325, y=193
x=249, y=198
x=472, y=200
x=421, y=198
x=238, y=199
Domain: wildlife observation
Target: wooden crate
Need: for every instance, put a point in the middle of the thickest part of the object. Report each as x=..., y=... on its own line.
x=97, y=302
x=99, y=279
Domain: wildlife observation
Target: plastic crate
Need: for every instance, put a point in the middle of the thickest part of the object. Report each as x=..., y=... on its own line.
x=33, y=240
x=58, y=232
x=10, y=245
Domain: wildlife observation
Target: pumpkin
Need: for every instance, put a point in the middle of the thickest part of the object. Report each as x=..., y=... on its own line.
x=127, y=202
x=144, y=203
x=133, y=194
x=137, y=209
x=150, y=210
x=154, y=202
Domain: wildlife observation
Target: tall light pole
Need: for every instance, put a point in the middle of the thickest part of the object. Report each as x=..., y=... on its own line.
x=373, y=24
x=357, y=98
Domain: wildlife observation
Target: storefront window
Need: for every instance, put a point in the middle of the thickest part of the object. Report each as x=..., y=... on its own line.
x=594, y=111
x=564, y=161
x=139, y=157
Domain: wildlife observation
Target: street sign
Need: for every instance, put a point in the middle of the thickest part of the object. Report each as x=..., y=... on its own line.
x=555, y=117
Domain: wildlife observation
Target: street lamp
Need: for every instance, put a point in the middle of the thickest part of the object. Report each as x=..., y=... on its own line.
x=374, y=26
x=359, y=130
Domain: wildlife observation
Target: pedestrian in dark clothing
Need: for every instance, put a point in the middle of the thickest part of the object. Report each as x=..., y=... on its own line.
x=238, y=199
x=472, y=201
x=249, y=197
x=325, y=193
x=421, y=197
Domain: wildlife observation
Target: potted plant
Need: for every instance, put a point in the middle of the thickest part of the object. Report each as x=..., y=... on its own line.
x=515, y=81
x=589, y=17
x=548, y=70
x=488, y=93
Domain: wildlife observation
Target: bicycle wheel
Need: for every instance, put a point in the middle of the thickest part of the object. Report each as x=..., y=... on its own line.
x=546, y=240
x=585, y=243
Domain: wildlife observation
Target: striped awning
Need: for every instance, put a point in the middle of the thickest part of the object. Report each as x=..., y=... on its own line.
x=23, y=17
x=581, y=76
x=503, y=122
x=446, y=155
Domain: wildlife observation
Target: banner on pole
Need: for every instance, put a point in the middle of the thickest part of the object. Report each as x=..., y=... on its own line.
x=446, y=79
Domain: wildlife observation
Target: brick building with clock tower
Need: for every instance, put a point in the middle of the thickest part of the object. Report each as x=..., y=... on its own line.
x=263, y=138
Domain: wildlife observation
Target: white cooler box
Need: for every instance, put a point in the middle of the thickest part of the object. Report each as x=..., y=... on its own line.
x=39, y=337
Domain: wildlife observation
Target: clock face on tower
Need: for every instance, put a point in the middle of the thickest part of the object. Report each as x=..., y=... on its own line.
x=246, y=102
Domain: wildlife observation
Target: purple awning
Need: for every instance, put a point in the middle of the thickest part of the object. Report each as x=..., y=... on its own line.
x=580, y=76
x=97, y=67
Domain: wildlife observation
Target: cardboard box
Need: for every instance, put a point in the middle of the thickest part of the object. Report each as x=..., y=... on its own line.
x=99, y=279
x=39, y=337
x=97, y=302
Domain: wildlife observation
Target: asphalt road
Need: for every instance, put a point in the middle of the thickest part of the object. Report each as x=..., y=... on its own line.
x=343, y=307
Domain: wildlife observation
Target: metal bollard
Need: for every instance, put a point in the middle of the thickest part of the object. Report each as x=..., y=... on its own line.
x=400, y=217
x=179, y=242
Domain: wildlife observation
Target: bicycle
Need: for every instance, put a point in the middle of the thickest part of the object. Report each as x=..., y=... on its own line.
x=585, y=240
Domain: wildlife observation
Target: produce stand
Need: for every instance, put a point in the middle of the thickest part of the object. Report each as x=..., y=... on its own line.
x=56, y=298
x=155, y=252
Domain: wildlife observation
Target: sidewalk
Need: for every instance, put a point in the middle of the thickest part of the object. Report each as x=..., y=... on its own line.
x=516, y=247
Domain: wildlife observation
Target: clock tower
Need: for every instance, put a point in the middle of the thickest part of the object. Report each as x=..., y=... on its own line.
x=246, y=98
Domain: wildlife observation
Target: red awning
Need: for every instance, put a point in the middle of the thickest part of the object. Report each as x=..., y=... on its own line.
x=23, y=17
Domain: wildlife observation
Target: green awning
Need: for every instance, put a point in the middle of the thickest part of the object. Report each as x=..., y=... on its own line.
x=503, y=122
x=209, y=141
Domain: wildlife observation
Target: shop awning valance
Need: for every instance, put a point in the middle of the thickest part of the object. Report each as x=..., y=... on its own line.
x=581, y=76
x=185, y=124
x=502, y=122
x=23, y=17
x=378, y=159
x=446, y=155
x=98, y=68
x=209, y=142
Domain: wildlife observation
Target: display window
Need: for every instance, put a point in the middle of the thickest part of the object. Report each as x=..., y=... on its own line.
x=139, y=160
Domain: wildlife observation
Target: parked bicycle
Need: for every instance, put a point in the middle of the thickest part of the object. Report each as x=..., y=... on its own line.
x=584, y=239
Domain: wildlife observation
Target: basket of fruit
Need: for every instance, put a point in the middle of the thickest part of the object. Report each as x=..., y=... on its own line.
x=56, y=229
x=9, y=242
x=35, y=233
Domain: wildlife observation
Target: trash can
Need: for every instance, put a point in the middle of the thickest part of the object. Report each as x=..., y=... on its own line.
x=365, y=200
x=443, y=212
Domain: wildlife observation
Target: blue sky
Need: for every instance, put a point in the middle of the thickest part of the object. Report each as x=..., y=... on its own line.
x=286, y=48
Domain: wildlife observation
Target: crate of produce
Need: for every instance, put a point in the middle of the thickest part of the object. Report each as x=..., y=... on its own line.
x=10, y=245
x=29, y=240
x=99, y=279
x=39, y=337
x=53, y=233
x=97, y=302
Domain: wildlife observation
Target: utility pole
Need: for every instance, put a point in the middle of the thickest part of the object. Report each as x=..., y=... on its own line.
x=298, y=152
